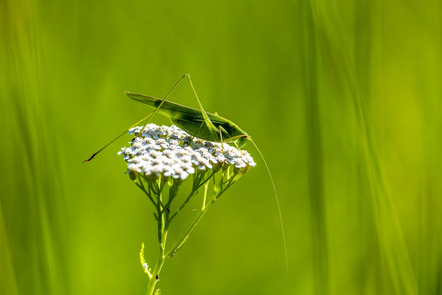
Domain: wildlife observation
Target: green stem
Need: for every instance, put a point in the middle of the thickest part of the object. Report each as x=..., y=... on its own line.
x=164, y=218
x=155, y=274
x=182, y=205
x=198, y=182
x=163, y=222
x=200, y=215
x=206, y=187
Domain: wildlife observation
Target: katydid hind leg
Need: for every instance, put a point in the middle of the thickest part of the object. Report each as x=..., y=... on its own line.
x=212, y=129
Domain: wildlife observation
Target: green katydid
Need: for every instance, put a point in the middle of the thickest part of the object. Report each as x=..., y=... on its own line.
x=200, y=124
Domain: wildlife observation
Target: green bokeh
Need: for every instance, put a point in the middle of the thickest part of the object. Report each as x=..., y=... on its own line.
x=343, y=98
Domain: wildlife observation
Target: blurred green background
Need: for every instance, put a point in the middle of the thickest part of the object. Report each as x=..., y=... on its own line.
x=343, y=98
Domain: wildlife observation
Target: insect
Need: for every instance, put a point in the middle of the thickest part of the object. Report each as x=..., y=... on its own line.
x=201, y=124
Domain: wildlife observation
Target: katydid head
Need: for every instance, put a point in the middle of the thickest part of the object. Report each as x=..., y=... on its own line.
x=243, y=140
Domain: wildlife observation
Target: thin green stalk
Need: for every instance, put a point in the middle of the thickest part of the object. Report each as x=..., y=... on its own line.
x=163, y=222
x=184, y=237
x=182, y=205
x=200, y=215
x=206, y=187
x=192, y=193
x=155, y=274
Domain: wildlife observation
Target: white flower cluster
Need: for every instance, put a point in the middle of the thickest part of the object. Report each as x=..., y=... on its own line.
x=169, y=151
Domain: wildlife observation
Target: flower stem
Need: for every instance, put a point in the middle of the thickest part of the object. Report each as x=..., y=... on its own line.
x=155, y=274
x=164, y=217
x=163, y=224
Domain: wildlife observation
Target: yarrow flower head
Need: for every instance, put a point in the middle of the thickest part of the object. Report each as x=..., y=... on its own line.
x=169, y=152
x=160, y=158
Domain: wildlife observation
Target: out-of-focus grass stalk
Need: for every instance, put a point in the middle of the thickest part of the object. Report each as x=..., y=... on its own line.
x=394, y=256
x=33, y=221
x=394, y=251
x=429, y=260
x=362, y=57
x=314, y=145
x=8, y=281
